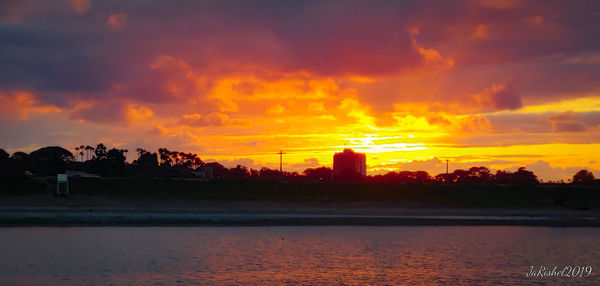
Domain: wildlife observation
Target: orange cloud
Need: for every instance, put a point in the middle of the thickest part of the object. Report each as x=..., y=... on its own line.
x=138, y=114
x=110, y=112
x=480, y=32
x=212, y=119
x=316, y=107
x=432, y=58
x=535, y=20
x=276, y=109
x=117, y=21
x=80, y=6
x=500, y=4
x=474, y=124
x=23, y=104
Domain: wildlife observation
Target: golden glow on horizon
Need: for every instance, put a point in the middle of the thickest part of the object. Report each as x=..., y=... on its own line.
x=582, y=104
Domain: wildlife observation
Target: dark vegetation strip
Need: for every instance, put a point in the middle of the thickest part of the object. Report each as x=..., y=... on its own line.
x=452, y=195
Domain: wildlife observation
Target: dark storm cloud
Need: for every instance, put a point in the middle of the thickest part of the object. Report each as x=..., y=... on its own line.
x=564, y=116
x=571, y=126
x=108, y=113
x=591, y=119
x=519, y=122
x=510, y=32
x=569, y=122
x=41, y=59
x=574, y=122
x=506, y=97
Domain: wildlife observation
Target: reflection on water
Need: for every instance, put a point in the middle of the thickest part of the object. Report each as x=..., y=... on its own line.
x=293, y=255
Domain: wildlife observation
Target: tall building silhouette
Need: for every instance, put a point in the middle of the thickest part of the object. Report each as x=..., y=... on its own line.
x=349, y=163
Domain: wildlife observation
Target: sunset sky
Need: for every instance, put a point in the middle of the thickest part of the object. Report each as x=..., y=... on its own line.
x=500, y=84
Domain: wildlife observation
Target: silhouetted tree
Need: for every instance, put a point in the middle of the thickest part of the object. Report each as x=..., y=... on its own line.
x=4, y=155
x=77, y=152
x=269, y=174
x=109, y=162
x=189, y=161
x=523, y=176
x=19, y=162
x=140, y=151
x=100, y=152
x=460, y=176
x=49, y=160
x=14, y=165
x=147, y=163
x=89, y=151
x=81, y=151
x=480, y=175
x=4, y=162
x=165, y=157
x=179, y=164
x=20, y=156
x=583, y=177
x=295, y=176
x=441, y=178
x=321, y=173
x=349, y=175
x=101, y=160
x=502, y=177
x=421, y=177
x=402, y=177
x=117, y=156
x=239, y=172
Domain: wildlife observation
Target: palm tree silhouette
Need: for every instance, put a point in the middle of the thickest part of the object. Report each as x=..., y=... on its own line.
x=89, y=150
x=77, y=149
x=81, y=149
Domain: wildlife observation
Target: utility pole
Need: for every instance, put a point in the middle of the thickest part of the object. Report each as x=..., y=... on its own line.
x=281, y=162
x=447, y=175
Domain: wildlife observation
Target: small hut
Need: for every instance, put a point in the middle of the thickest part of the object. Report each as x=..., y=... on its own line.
x=62, y=186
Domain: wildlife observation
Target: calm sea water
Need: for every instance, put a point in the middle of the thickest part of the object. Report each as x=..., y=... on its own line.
x=293, y=255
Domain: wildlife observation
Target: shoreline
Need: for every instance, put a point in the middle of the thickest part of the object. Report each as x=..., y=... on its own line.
x=105, y=210
x=251, y=214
